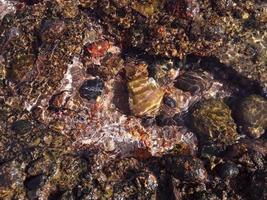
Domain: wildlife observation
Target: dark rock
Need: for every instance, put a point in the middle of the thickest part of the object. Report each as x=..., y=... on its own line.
x=165, y=189
x=251, y=155
x=169, y=101
x=228, y=170
x=35, y=182
x=258, y=159
x=91, y=89
x=186, y=168
x=21, y=126
x=148, y=121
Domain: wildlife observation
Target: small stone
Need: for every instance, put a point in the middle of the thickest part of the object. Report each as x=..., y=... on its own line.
x=253, y=116
x=145, y=94
x=169, y=101
x=228, y=170
x=91, y=89
x=35, y=182
x=186, y=168
x=21, y=126
x=98, y=49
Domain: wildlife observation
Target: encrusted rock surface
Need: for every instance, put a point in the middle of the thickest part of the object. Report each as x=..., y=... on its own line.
x=119, y=99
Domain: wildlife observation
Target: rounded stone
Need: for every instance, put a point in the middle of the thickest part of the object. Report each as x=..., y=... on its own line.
x=91, y=89
x=228, y=170
x=21, y=126
x=35, y=182
x=212, y=119
x=252, y=113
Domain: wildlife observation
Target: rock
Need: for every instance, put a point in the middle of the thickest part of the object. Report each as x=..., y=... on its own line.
x=145, y=94
x=186, y=168
x=98, y=49
x=21, y=126
x=51, y=30
x=35, y=182
x=194, y=81
x=252, y=113
x=91, y=89
x=228, y=170
x=213, y=120
x=250, y=155
x=210, y=150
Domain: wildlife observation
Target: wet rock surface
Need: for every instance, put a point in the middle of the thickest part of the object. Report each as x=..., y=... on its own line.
x=121, y=99
x=252, y=114
x=213, y=119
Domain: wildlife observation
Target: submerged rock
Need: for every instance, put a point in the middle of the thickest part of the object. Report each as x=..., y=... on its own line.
x=253, y=114
x=21, y=126
x=212, y=119
x=186, y=168
x=228, y=170
x=195, y=82
x=70, y=69
x=91, y=89
x=145, y=94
